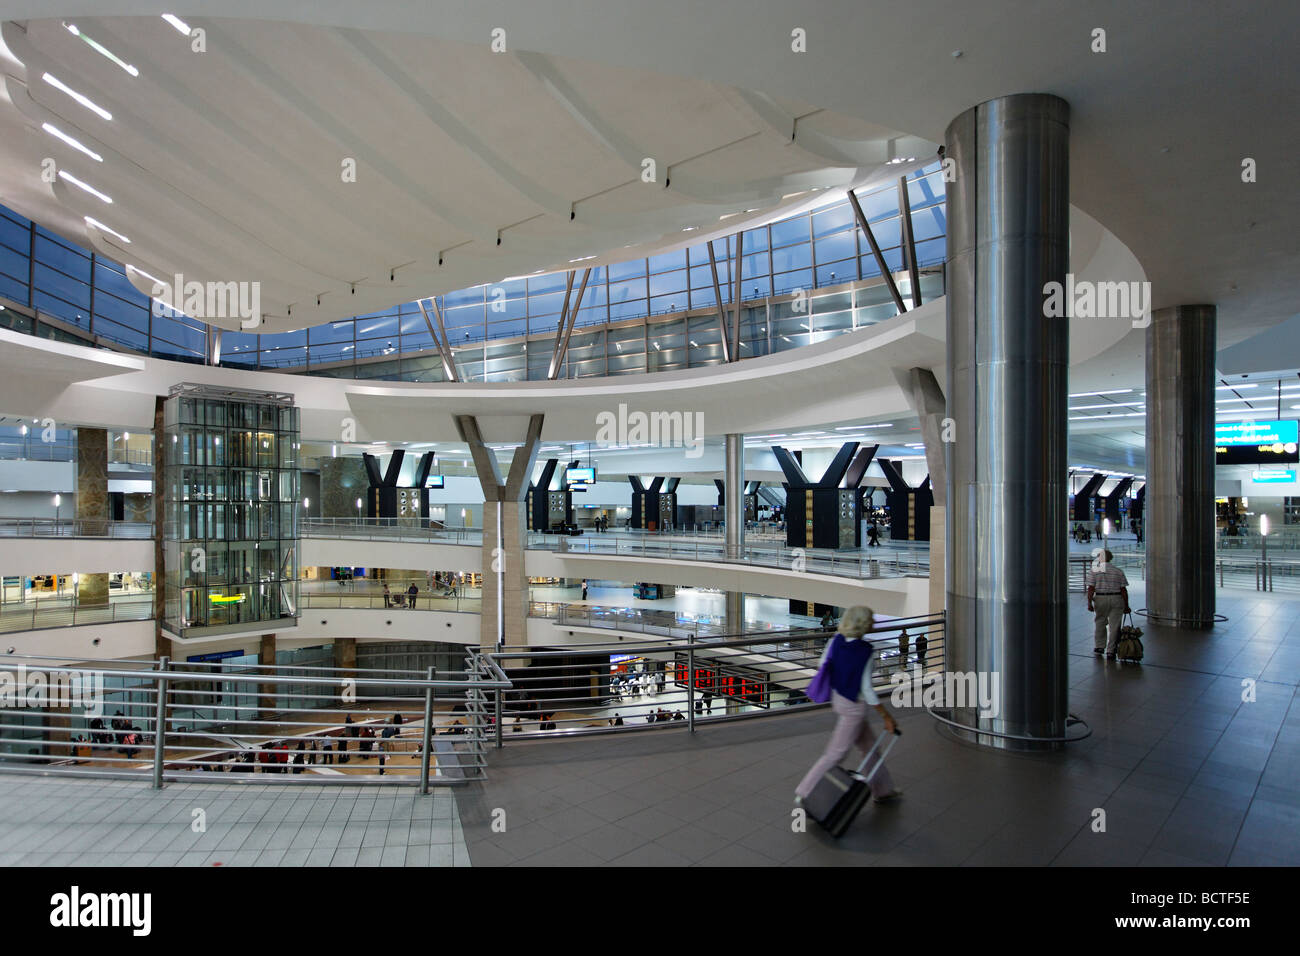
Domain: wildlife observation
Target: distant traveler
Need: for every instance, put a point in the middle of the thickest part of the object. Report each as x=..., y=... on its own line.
x=851, y=660
x=904, y=645
x=1108, y=598
x=411, y=593
x=828, y=621
x=873, y=536
x=584, y=589
x=922, y=645
x=388, y=596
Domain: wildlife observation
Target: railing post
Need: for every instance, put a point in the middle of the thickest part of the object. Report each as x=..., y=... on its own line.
x=690, y=682
x=427, y=744
x=160, y=725
x=497, y=713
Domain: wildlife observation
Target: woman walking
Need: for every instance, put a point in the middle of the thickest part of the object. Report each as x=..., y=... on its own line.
x=851, y=661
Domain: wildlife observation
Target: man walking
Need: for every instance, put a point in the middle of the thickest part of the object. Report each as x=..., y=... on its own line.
x=411, y=594
x=1108, y=598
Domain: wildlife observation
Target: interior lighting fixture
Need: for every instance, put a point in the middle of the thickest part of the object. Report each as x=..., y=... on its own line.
x=81, y=98
x=64, y=174
x=180, y=25
x=74, y=143
x=103, y=228
x=101, y=49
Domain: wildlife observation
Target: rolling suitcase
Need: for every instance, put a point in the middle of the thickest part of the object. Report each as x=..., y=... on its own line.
x=841, y=794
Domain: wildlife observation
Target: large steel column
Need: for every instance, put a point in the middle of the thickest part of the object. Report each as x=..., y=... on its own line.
x=1179, y=508
x=734, y=491
x=1008, y=235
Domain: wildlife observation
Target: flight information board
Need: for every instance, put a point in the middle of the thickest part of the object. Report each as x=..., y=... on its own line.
x=1256, y=443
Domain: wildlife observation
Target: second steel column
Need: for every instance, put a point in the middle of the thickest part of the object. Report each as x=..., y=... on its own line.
x=1008, y=236
x=1179, y=510
x=734, y=496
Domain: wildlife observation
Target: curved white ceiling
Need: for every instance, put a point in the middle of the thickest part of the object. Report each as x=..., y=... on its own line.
x=235, y=164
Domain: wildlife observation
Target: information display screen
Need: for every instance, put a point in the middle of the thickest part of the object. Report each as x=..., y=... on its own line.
x=1256, y=443
x=435, y=481
x=581, y=476
x=747, y=684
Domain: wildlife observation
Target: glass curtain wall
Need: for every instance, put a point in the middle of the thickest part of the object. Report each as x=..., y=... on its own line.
x=643, y=315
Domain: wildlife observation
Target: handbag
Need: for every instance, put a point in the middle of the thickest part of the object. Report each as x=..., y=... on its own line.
x=819, y=689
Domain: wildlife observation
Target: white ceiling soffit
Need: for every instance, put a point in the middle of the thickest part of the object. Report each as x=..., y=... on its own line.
x=234, y=164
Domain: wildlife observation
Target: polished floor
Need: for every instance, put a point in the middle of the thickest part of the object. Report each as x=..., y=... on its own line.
x=1186, y=772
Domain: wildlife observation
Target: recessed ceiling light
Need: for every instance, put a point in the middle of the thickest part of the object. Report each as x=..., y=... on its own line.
x=64, y=174
x=101, y=49
x=81, y=98
x=180, y=25
x=59, y=134
x=103, y=228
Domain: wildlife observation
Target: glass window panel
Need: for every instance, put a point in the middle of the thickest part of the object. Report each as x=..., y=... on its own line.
x=668, y=261
x=932, y=251
x=841, y=245
x=15, y=264
x=790, y=231
x=626, y=270
x=283, y=357
x=129, y=336
x=792, y=257
x=787, y=282
x=65, y=287
x=668, y=282
x=13, y=289
x=15, y=235
x=331, y=332
x=462, y=297
x=58, y=253
x=73, y=314
x=551, y=282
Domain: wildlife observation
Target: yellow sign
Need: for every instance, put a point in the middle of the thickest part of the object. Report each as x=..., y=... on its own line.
x=222, y=599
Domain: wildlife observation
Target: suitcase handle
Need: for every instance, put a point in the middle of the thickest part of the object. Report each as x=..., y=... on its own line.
x=893, y=738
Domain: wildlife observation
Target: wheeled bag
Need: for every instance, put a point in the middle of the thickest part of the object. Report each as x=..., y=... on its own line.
x=1129, y=645
x=841, y=794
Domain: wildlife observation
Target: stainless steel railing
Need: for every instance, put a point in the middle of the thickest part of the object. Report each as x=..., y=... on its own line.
x=72, y=527
x=620, y=686
x=162, y=720
x=860, y=564
x=64, y=612
x=390, y=529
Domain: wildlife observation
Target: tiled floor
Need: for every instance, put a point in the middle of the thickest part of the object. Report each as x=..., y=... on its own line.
x=49, y=822
x=1185, y=770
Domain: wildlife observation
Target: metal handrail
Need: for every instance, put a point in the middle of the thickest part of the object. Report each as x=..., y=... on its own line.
x=73, y=527
x=67, y=613
x=554, y=696
x=183, y=715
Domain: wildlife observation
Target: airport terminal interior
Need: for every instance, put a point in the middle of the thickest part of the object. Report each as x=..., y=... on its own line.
x=485, y=420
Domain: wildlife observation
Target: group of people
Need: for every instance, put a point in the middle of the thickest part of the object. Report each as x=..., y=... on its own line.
x=404, y=599
x=126, y=736
x=656, y=716
x=627, y=686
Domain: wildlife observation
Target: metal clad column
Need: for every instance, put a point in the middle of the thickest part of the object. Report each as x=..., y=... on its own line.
x=734, y=489
x=1179, y=510
x=1008, y=235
